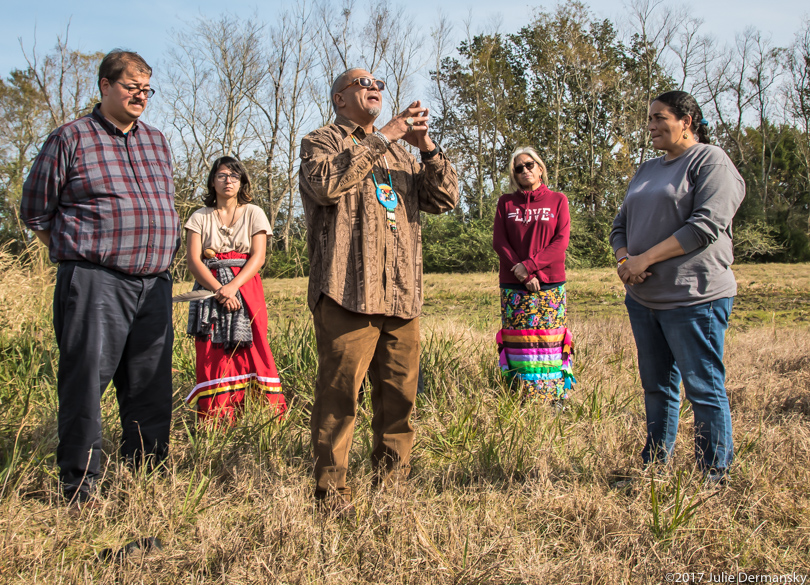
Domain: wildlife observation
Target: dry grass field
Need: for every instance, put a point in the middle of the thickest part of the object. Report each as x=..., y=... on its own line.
x=501, y=492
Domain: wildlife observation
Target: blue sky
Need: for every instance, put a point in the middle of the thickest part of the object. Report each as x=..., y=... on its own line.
x=146, y=26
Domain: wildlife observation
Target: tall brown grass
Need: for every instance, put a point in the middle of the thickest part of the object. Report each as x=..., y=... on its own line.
x=501, y=492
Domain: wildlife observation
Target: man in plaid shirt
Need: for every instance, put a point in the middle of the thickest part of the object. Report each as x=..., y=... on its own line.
x=100, y=195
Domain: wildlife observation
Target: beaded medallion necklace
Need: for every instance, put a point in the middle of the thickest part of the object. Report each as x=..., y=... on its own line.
x=385, y=194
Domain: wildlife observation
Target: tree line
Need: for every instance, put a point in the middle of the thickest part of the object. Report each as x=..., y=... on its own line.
x=574, y=86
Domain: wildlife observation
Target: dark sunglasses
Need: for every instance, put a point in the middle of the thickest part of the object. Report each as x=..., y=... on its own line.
x=519, y=168
x=366, y=82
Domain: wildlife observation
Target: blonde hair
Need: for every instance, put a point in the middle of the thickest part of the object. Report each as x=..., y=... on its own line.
x=529, y=151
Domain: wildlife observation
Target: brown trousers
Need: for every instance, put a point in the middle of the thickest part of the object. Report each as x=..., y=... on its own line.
x=349, y=344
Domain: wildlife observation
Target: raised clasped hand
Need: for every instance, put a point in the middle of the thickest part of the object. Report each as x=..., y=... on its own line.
x=416, y=134
x=633, y=270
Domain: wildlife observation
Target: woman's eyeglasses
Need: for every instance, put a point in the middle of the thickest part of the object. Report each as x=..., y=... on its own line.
x=519, y=168
x=227, y=178
x=366, y=82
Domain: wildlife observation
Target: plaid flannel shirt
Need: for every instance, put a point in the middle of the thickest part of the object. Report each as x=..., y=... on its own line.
x=106, y=197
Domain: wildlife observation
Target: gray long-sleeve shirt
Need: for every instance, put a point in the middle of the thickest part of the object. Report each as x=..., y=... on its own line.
x=693, y=197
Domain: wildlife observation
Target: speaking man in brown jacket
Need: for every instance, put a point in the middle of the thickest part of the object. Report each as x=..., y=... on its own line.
x=363, y=194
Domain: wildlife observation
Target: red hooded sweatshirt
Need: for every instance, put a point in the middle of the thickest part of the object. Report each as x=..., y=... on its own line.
x=533, y=228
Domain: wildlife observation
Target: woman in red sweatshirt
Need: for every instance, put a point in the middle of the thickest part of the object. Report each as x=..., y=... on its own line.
x=532, y=226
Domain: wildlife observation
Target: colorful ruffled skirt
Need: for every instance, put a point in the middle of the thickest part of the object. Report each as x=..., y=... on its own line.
x=535, y=346
x=226, y=377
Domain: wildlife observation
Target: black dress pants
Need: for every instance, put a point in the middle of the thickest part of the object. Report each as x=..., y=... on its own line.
x=111, y=326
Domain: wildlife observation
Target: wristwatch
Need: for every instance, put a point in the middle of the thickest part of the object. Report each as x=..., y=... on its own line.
x=426, y=155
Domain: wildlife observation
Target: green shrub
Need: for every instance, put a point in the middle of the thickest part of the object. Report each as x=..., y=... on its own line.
x=451, y=244
x=290, y=264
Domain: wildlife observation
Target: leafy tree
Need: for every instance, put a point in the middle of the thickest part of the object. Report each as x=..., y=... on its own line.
x=484, y=96
x=55, y=88
x=573, y=86
x=23, y=121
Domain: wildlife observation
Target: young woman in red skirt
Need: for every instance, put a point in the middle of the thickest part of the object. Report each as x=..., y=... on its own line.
x=227, y=240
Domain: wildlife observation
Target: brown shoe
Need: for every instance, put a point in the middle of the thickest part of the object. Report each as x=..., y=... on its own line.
x=335, y=506
x=391, y=478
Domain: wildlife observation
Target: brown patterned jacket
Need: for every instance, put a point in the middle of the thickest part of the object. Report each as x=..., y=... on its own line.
x=355, y=259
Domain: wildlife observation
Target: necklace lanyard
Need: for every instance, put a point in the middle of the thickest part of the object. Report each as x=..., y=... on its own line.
x=226, y=230
x=385, y=193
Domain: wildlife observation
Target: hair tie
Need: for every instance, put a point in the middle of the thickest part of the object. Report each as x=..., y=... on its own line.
x=704, y=122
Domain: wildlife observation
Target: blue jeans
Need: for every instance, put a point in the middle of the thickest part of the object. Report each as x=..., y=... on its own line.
x=686, y=344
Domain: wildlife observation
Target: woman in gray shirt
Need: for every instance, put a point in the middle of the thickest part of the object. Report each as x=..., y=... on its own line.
x=672, y=240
